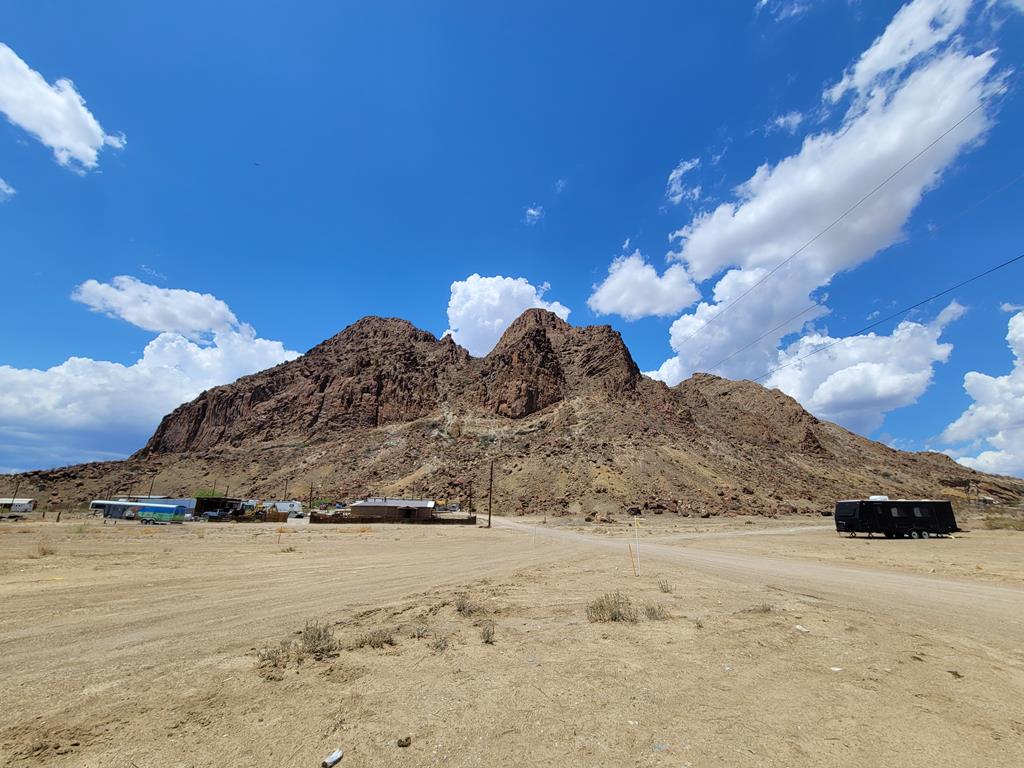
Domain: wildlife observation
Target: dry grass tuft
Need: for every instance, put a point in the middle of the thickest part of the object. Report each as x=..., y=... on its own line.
x=43, y=549
x=275, y=655
x=289, y=548
x=317, y=640
x=665, y=586
x=376, y=638
x=487, y=633
x=466, y=606
x=419, y=632
x=439, y=644
x=613, y=606
x=762, y=608
x=655, y=611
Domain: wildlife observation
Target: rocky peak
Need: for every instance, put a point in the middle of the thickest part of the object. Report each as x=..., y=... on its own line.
x=534, y=323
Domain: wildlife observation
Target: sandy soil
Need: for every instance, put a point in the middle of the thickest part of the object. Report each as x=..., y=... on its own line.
x=130, y=646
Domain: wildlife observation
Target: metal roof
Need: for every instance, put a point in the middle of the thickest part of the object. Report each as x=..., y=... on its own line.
x=15, y=501
x=385, y=501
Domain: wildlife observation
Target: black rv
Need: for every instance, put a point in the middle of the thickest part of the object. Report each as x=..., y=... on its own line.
x=896, y=518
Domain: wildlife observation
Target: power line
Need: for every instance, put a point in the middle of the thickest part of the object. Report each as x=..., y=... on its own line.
x=894, y=315
x=838, y=219
x=770, y=331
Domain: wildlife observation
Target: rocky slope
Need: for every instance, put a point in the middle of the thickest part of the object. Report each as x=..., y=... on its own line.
x=570, y=423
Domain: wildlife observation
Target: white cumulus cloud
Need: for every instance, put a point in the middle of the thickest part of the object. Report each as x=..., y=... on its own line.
x=157, y=309
x=55, y=114
x=675, y=190
x=915, y=29
x=634, y=289
x=994, y=422
x=827, y=209
x=6, y=191
x=85, y=409
x=858, y=379
x=481, y=308
x=782, y=208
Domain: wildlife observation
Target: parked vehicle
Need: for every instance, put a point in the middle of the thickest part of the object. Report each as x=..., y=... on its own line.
x=896, y=518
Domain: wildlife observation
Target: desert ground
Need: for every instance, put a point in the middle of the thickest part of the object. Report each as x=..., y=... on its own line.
x=757, y=642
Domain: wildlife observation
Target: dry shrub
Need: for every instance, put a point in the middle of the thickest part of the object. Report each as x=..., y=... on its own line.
x=43, y=549
x=419, y=631
x=487, y=633
x=376, y=638
x=466, y=606
x=275, y=655
x=655, y=611
x=289, y=548
x=665, y=587
x=439, y=644
x=613, y=606
x=317, y=640
x=698, y=624
x=762, y=608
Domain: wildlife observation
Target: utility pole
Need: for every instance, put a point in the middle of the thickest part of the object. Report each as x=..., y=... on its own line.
x=227, y=488
x=490, y=494
x=471, y=511
x=285, y=489
x=152, y=480
x=310, y=496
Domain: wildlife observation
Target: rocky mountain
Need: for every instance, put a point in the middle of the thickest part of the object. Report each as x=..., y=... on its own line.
x=571, y=425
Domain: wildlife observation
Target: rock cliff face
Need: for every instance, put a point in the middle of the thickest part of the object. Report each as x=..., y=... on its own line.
x=382, y=371
x=564, y=412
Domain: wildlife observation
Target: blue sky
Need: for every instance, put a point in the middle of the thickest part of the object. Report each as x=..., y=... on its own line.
x=243, y=180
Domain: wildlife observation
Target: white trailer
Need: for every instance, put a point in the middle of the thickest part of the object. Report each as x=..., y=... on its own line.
x=17, y=505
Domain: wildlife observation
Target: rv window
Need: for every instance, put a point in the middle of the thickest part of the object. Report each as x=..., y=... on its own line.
x=918, y=512
x=895, y=512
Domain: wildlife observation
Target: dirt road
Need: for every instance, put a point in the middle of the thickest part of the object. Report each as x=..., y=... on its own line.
x=990, y=614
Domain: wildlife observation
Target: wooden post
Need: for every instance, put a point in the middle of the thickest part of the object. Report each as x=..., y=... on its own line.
x=636, y=533
x=490, y=494
x=310, y=497
x=285, y=489
x=152, y=480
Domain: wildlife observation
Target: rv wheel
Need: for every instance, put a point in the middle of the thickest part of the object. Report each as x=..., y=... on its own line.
x=924, y=534
x=913, y=534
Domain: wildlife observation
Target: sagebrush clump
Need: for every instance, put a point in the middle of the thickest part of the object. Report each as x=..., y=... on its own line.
x=655, y=611
x=613, y=606
x=376, y=638
x=317, y=640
